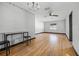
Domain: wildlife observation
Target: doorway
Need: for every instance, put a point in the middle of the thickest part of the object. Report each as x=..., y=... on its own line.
x=70, y=27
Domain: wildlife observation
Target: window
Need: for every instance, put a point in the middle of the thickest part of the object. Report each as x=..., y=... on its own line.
x=53, y=27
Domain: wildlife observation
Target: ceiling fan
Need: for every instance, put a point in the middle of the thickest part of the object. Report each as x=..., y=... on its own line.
x=55, y=15
x=50, y=13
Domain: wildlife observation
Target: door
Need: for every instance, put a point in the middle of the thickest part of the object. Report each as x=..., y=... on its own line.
x=70, y=27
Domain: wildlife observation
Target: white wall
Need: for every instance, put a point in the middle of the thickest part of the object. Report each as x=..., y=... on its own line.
x=67, y=25
x=60, y=26
x=15, y=19
x=39, y=25
x=76, y=29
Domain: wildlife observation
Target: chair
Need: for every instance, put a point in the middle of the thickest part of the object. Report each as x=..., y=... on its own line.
x=27, y=37
x=6, y=44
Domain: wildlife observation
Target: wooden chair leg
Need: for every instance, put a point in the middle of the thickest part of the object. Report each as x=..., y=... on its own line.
x=6, y=48
x=9, y=47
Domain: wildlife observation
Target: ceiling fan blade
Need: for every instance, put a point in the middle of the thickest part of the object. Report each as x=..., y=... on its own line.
x=55, y=15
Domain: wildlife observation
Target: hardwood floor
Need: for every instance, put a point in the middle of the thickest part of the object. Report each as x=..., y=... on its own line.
x=45, y=44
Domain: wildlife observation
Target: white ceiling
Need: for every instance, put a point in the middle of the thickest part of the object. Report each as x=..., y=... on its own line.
x=60, y=8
